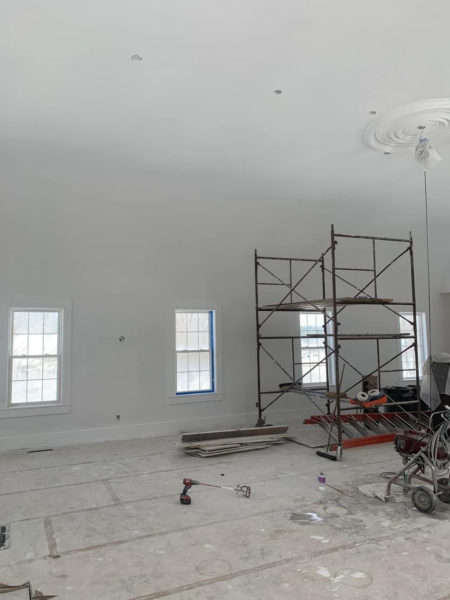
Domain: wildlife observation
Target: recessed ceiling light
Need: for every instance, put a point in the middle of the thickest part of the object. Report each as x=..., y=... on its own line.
x=136, y=57
x=277, y=91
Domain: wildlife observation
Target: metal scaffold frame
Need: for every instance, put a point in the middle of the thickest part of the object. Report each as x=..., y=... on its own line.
x=294, y=300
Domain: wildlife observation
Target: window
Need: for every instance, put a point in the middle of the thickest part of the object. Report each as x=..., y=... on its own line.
x=195, y=348
x=313, y=350
x=34, y=356
x=408, y=357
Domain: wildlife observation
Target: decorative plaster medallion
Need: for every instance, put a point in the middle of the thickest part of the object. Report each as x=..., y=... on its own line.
x=397, y=129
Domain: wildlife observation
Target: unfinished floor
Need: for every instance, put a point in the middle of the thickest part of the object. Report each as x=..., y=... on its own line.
x=104, y=522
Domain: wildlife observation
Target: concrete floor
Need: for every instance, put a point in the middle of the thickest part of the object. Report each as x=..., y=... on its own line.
x=104, y=522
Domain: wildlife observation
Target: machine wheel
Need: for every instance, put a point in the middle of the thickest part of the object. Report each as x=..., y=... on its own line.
x=424, y=499
x=445, y=495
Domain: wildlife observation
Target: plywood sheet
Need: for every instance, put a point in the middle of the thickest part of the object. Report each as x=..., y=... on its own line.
x=326, y=303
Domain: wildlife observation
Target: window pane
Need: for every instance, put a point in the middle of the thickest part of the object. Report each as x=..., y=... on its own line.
x=406, y=327
x=205, y=380
x=51, y=322
x=194, y=361
x=307, y=377
x=182, y=362
x=182, y=382
x=194, y=381
x=50, y=344
x=35, y=368
x=205, y=361
x=192, y=321
x=50, y=391
x=180, y=321
x=181, y=341
x=18, y=392
x=322, y=373
x=50, y=368
x=36, y=322
x=203, y=341
x=20, y=345
x=34, y=391
x=35, y=344
x=19, y=369
x=192, y=341
x=315, y=373
x=312, y=355
x=20, y=323
x=203, y=322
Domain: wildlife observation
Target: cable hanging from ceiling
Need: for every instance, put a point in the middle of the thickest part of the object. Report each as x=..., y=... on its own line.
x=403, y=128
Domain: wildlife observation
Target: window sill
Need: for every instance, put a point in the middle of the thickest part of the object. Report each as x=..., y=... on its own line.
x=318, y=387
x=190, y=398
x=34, y=411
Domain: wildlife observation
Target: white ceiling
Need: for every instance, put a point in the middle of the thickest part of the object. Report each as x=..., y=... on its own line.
x=202, y=97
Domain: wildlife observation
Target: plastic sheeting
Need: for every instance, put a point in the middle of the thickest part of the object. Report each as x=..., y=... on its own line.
x=426, y=155
x=436, y=381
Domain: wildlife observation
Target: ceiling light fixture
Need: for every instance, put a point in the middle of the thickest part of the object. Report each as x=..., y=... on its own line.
x=403, y=129
x=425, y=154
x=395, y=130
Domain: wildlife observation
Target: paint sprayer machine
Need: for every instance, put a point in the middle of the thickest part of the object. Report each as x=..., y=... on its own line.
x=426, y=457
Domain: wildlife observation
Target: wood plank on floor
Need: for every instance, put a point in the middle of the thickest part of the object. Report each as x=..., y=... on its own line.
x=233, y=433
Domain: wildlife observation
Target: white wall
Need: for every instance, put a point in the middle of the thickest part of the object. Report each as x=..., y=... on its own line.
x=124, y=242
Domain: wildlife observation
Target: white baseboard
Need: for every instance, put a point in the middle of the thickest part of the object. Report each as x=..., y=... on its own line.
x=120, y=431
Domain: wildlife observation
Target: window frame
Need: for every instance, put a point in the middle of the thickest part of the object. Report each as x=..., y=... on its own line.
x=211, y=350
x=32, y=410
x=59, y=356
x=422, y=348
x=190, y=400
x=328, y=363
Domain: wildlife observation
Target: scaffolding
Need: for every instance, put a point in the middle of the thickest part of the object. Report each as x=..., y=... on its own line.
x=296, y=298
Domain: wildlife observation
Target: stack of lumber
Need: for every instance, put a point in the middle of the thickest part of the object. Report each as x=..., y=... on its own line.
x=214, y=443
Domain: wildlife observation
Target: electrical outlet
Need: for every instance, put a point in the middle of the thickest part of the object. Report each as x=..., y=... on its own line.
x=117, y=417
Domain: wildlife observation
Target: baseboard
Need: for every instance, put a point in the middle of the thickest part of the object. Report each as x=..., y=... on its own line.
x=137, y=430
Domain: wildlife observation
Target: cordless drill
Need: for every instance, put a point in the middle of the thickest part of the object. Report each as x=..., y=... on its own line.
x=188, y=483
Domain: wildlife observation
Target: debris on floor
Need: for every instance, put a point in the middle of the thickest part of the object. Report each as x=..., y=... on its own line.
x=308, y=517
x=214, y=443
x=4, y=537
x=29, y=594
x=374, y=490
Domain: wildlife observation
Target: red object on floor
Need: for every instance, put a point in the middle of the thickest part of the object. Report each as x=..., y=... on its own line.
x=367, y=441
x=380, y=438
x=376, y=402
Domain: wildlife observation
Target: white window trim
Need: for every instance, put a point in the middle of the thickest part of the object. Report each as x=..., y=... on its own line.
x=59, y=356
x=47, y=408
x=422, y=351
x=211, y=350
x=173, y=397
